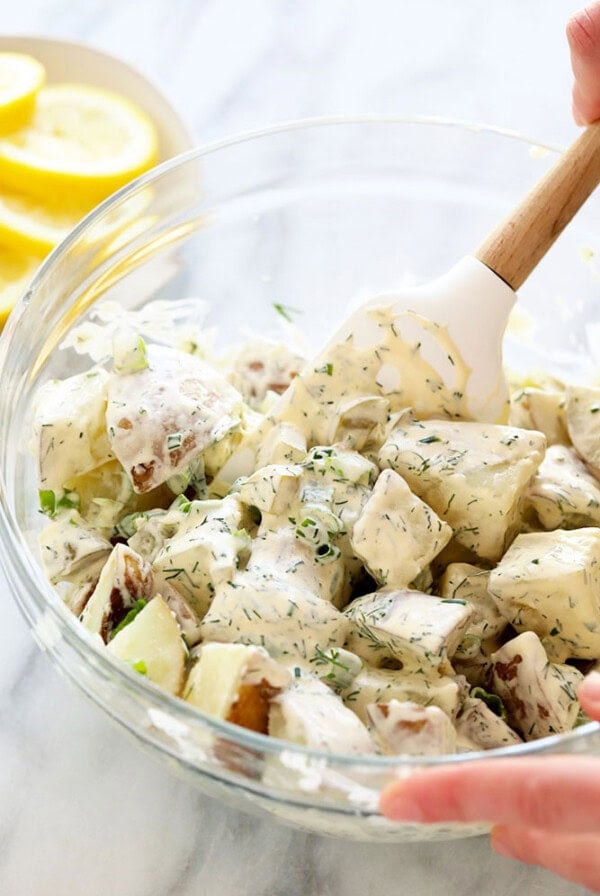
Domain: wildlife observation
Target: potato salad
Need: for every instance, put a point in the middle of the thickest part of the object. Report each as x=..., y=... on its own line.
x=329, y=552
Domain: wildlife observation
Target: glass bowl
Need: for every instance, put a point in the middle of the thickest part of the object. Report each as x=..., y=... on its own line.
x=315, y=215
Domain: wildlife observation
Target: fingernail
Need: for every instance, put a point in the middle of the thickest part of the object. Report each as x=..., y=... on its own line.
x=500, y=845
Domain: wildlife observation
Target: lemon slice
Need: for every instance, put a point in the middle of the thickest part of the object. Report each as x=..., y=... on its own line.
x=27, y=225
x=21, y=77
x=82, y=143
x=15, y=273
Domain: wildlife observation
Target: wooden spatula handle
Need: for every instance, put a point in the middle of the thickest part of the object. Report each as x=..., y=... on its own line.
x=514, y=248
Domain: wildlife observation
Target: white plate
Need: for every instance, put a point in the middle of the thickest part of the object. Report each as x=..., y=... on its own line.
x=79, y=63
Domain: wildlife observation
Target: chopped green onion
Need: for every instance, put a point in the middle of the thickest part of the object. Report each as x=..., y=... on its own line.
x=140, y=666
x=129, y=353
x=492, y=701
x=174, y=441
x=135, y=610
x=47, y=502
x=69, y=500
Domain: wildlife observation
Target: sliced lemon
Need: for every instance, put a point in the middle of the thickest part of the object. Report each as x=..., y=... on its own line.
x=15, y=273
x=21, y=77
x=28, y=225
x=83, y=143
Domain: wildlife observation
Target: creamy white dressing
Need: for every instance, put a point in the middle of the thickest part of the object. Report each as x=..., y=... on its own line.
x=403, y=361
x=289, y=547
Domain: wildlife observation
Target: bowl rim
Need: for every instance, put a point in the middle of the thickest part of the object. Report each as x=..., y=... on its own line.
x=27, y=568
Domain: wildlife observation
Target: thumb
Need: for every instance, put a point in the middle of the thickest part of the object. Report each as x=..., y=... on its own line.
x=589, y=695
x=583, y=35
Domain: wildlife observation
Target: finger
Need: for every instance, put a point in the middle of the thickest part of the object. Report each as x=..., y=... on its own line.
x=559, y=793
x=589, y=695
x=583, y=35
x=575, y=856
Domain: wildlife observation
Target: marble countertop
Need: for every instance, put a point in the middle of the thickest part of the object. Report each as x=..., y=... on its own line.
x=83, y=810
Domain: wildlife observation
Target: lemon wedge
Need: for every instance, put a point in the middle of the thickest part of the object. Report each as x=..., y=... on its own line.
x=28, y=225
x=21, y=77
x=83, y=143
x=15, y=273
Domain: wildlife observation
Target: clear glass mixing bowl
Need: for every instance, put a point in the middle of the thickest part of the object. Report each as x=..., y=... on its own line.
x=316, y=215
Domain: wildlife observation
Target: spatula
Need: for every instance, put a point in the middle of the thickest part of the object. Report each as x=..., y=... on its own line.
x=473, y=300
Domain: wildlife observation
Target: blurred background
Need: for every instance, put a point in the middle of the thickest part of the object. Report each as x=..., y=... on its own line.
x=229, y=65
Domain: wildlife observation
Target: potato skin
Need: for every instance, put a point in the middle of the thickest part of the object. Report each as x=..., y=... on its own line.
x=251, y=709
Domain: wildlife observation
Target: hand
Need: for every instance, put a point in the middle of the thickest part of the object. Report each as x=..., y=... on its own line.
x=583, y=34
x=546, y=810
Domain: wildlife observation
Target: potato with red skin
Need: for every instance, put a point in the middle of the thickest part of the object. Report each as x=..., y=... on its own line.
x=126, y=578
x=160, y=417
x=235, y=682
x=540, y=697
x=152, y=645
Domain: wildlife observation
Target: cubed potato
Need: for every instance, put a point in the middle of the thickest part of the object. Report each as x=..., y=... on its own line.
x=482, y=728
x=355, y=419
x=220, y=451
x=148, y=532
x=583, y=422
x=106, y=496
x=417, y=631
x=549, y=583
x=77, y=591
x=337, y=465
x=410, y=729
x=203, y=553
x=397, y=535
x=563, y=494
x=287, y=622
x=542, y=410
x=282, y=555
x=272, y=489
x=70, y=427
x=235, y=682
x=473, y=475
x=383, y=685
x=283, y=444
x=125, y=579
x=310, y=714
x=187, y=620
x=68, y=546
x=263, y=366
x=465, y=582
x=151, y=644
x=540, y=697
x=159, y=417
x=474, y=660
x=336, y=667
